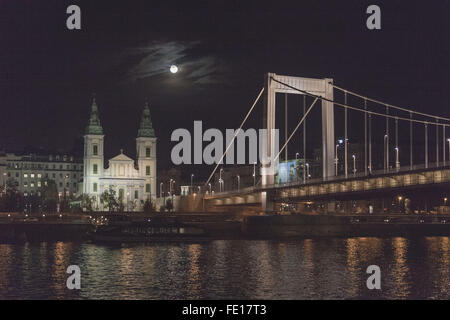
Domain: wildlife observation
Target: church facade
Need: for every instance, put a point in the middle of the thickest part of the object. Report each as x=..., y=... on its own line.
x=133, y=181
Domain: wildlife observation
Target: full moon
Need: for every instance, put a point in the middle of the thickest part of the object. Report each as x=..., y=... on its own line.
x=173, y=68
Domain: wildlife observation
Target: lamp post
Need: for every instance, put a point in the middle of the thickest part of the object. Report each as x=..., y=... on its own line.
x=354, y=164
x=238, y=181
x=400, y=198
x=397, y=159
x=221, y=180
x=307, y=171
x=445, y=201
x=448, y=149
x=4, y=180
x=254, y=173
x=336, y=160
x=209, y=184
x=296, y=165
x=161, y=186
x=386, y=159
x=192, y=182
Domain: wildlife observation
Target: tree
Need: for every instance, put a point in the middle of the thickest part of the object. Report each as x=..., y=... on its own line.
x=148, y=206
x=49, y=195
x=169, y=204
x=12, y=200
x=86, y=202
x=108, y=199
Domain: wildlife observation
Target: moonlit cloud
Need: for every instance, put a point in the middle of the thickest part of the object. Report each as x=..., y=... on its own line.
x=156, y=59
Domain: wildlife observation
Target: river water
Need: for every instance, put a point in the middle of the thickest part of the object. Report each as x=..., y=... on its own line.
x=411, y=268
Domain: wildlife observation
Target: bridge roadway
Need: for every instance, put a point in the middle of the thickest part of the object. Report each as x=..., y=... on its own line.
x=358, y=184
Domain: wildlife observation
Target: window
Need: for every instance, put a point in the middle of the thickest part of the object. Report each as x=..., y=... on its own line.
x=25, y=175
x=147, y=170
x=32, y=175
x=94, y=187
x=32, y=184
x=39, y=184
x=136, y=194
x=147, y=187
x=147, y=152
x=39, y=175
x=54, y=175
x=74, y=184
x=95, y=169
x=25, y=184
x=17, y=174
x=95, y=150
x=60, y=184
x=121, y=193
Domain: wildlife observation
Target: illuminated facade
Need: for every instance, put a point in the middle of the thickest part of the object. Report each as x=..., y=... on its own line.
x=133, y=182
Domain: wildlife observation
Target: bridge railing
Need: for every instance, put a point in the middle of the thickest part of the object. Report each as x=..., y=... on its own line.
x=352, y=176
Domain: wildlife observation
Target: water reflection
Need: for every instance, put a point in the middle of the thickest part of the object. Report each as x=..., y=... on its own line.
x=301, y=269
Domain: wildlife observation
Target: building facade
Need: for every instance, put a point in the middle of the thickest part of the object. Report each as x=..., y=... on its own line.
x=133, y=181
x=29, y=171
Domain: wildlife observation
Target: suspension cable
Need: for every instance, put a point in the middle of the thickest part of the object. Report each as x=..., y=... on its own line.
x=389, y=105
x=355, y=108
x=235, y=134
x=295, y=130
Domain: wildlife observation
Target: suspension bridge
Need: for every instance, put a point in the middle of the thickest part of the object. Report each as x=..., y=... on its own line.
x=424, y=170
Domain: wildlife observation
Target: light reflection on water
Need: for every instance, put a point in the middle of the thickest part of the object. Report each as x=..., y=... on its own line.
x=412, y=268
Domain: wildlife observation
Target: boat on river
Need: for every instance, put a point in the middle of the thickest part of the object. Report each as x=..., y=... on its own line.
x=150, y=230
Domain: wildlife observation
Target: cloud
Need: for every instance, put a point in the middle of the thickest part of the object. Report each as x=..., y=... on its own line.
x=156, y=58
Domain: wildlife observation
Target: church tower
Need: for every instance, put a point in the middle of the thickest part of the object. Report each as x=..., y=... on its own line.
x=146, y=154
x=93, y=155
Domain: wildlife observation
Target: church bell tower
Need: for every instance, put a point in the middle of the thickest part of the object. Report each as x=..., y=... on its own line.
x=146, y=154
x=93, y=154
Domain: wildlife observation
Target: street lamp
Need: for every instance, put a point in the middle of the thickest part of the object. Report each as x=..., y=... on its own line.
x=4, y=180
x=448, y=148
x=354, y=164
x=336, y=160
x=445, y=201
x=254, y=173
x=238, y=181
x=209, y=184
x=192, y=182
x=307, y=171
x=397, y=161
x=161, y=185
x=386, y=159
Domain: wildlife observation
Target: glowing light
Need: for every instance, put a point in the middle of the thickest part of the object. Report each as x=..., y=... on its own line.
x=173, y=68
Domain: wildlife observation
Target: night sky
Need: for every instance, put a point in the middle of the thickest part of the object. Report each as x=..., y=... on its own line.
x=223, y=49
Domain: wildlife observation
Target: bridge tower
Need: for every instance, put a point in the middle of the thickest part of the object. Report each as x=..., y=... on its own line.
x=318, y=87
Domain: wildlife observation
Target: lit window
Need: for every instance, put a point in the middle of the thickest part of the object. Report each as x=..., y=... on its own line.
x=39, y=175
x=39, y=184
x=32, y=184
x=32, y=175
x=25, y=175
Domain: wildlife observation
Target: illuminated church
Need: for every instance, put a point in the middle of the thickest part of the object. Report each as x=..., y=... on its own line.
x=133, y=181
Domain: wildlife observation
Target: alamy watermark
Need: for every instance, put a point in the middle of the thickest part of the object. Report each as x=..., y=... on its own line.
x=242, y=146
